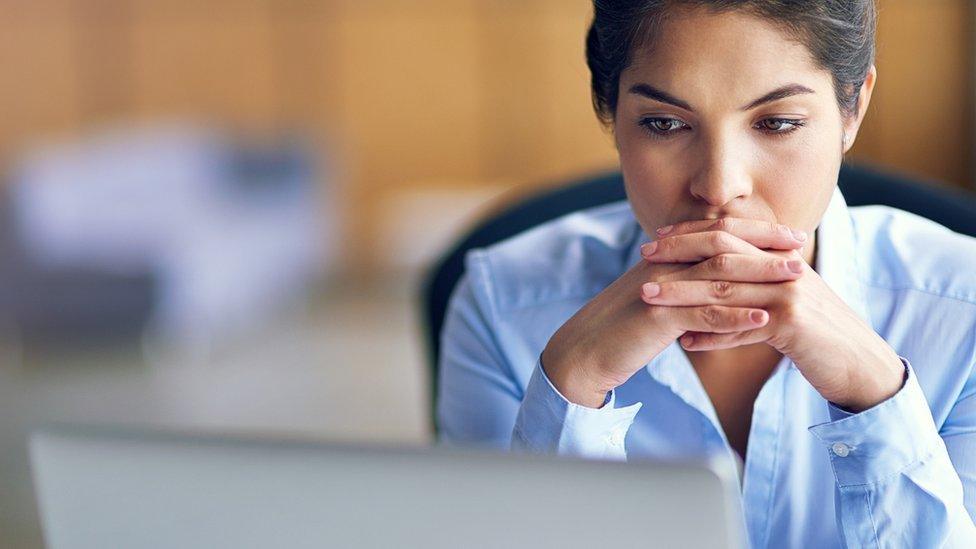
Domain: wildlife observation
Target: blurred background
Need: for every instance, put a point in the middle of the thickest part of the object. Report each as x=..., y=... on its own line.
x=216, y=214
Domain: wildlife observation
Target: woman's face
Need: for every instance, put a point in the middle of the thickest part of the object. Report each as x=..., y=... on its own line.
x=728, y=116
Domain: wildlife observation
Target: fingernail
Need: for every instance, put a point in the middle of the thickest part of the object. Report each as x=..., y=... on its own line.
x=687, y=340
x=799, y=235
x=648, y=249
x=757, y=316
x=795, y=265
x=651, y=289
x=665, y=230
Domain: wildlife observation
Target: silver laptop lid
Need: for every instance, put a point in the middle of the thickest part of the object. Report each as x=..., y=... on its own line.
x=121, y=488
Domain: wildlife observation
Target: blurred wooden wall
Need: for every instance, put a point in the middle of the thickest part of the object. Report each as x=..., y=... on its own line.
x=416, y=93
x=922, y=115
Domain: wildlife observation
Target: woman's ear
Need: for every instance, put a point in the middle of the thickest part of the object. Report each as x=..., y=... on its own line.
x=852, y=125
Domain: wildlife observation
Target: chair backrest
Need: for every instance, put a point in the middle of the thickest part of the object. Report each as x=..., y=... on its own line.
x=861, y=186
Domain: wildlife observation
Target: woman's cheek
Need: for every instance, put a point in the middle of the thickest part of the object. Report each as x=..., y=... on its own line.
x=799, y=180
x=649, y=184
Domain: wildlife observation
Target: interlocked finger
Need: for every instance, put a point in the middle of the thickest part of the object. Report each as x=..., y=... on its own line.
x=695, y=247
x=691, y=293
x=703, y=341
x=714, y=318
x=741, y=268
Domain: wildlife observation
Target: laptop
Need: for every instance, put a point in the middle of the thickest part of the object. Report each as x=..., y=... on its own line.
x=110, y=487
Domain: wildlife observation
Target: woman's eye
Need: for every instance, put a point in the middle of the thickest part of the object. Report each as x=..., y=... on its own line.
x=779, y=126
x=666, y=127
x=662, y=127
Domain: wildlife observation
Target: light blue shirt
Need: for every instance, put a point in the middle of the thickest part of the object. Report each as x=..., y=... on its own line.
x=901, y=474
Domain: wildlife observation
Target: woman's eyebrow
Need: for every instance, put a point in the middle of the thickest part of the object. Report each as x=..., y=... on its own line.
x=777, y=94
x=650, y=92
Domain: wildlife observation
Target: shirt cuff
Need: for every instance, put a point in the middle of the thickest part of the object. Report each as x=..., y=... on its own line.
x=881, y=441
x=548, y=423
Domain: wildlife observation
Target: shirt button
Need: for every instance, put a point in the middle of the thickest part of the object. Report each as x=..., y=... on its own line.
x=840, y=449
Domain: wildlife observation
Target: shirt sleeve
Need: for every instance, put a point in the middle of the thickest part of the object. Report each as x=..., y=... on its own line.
x=548, y=423
x=480, y=402
x=896, y=481
x=478, y=395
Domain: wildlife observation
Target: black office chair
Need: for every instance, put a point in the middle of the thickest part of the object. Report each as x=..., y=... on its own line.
x=861, y=186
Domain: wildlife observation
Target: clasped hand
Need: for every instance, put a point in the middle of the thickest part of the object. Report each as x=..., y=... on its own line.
x=744, y=263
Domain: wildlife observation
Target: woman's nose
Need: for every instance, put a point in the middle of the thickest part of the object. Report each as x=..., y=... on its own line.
x=722, y=178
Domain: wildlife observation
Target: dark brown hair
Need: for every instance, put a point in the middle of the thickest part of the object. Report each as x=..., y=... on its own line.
x=838, y=33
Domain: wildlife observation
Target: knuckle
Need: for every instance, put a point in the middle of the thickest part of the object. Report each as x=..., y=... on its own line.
x=721, y=289
x=711, y=316
x=721, y=240
x=721, y=263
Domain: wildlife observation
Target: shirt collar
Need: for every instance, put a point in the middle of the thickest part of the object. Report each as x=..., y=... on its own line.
x=836, y=255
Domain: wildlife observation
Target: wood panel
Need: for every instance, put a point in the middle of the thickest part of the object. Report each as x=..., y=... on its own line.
x=537, y=120
x=921, y=117
x=408, y=96
x=40, y=79
x=208, y=60
x=419, y=94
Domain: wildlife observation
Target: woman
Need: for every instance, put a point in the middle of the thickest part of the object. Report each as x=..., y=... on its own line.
x=734, y=303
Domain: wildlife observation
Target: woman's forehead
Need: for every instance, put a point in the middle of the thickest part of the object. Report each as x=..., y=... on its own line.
x=732, y=53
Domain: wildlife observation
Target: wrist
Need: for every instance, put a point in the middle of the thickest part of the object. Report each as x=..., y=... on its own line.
x=872, y=385
x=574, y=381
